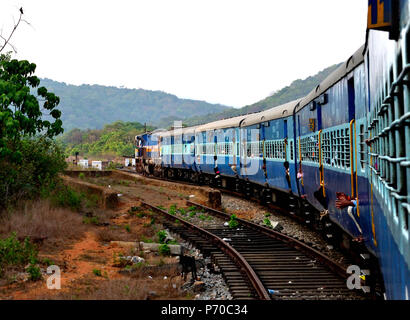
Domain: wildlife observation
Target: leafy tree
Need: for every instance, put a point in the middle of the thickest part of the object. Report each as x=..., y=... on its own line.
x=20, y=113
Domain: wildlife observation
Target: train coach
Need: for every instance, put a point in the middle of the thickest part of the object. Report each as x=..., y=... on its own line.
x=339, y=158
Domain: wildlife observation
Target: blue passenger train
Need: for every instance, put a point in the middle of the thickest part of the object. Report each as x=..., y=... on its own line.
x=339, y=158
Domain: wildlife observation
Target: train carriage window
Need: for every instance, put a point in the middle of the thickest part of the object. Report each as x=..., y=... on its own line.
x=275, y=149
x=224, y=148
x=310, y=148
x=336, y=148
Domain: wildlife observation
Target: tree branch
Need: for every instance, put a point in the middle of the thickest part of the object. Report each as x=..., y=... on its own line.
x=7, y=40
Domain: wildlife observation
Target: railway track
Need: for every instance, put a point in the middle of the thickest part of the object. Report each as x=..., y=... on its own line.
x=242, y=280
x=256, y=260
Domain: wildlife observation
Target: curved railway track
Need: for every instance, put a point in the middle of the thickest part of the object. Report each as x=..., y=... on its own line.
x=255, y=260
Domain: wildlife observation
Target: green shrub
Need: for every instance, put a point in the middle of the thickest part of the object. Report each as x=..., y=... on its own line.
x=16, y=253
x=81, y=176
x=173, y=209
x=164, y=250
x=66, y=197
x=267, y=222
x=127, y=228
x=34, y=272
x=97, y=272
x=233, y=222
x=34, y=175
x=162, y=235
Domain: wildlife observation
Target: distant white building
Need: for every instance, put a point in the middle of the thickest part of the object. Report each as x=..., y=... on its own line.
x=97, y=165
x=83, y=163
x=133, y=162
x=127, y=162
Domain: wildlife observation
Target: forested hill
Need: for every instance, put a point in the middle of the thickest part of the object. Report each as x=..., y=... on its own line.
x=297, y=89
x=93, y=106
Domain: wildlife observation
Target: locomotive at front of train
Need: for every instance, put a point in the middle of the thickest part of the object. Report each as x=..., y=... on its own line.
x=388, y=141
x=267, y=157
x=217, y=152
x=147, y=153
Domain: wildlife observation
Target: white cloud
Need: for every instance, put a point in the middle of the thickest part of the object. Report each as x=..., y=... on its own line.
x=233, y=52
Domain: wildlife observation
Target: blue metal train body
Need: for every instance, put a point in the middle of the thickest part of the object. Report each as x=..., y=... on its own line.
x=349, y=136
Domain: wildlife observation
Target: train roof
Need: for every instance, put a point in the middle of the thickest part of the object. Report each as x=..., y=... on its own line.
x=221, y=124
x=177, y=131
x=277, y=112
x=356, y=59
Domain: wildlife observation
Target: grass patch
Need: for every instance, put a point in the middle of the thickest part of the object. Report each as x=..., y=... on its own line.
x=97, y=272
x=173, y=209
x=233, y=222
x=162, y=235
x=267, y=222
x=41, y=220
x=91, y=220
x=164, y=250
x=34, y=272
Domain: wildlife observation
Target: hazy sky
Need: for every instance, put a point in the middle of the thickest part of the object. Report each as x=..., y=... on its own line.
x=233, y=52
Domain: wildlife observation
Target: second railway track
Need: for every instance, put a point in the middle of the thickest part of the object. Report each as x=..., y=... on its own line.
x=256, y=260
